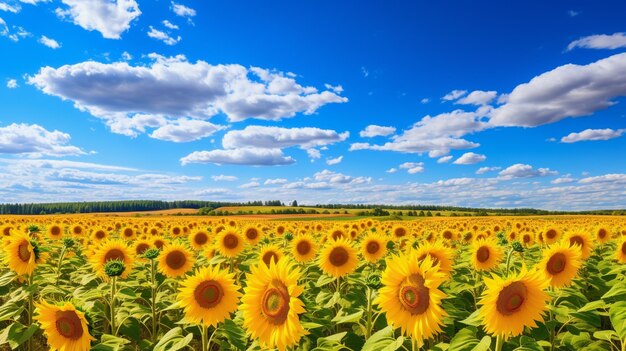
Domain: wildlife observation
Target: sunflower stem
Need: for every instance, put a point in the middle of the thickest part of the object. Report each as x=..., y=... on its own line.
x=154, y=289
x=368, y=328
x=508, y=260
x=205, y=337
x=499, y=343
x=30, y=309
x=59, y=264
x=112, y=305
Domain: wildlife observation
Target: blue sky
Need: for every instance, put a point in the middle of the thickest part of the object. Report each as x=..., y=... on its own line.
x=487, y=104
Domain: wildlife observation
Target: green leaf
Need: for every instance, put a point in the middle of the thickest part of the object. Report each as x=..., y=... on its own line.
x=235, y=334
x=383, y=340
x=351, y=318
x=16, y=334
x=473, y=320
x=617, y=314
x=464, y=340
x=484, y=344
x=324, y=280
x=592, y=306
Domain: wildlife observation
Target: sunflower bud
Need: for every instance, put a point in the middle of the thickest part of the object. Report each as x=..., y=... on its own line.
x=289, y=236
x=151, y=253
x=517, y=246
x=114, y=268
x=68, y=242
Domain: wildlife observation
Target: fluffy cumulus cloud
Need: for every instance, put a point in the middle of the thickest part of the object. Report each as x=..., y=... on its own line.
x=12, y=83
x=615, y=178
x=163, y=36
x=35, y=141
x=454, y=95
x=600, y=41
x=413, y=167
x=374, y=130
x=224, y=178
x=334, y=161
x=243, y=156
x=182, y=10
x=49, y=42
x=275, y=181
x=566, y=91
x=470, y=158
x=168, y=89
x=477, y=97
x=593, y=134
x=520, y=170
x=435, y=135
x=444, y=159
x=277, y=137
x=184, y=130
x=331, y=177
x=110, y=18
x=483, y=170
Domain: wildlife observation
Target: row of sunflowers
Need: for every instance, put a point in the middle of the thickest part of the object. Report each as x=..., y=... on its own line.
x=74, y=283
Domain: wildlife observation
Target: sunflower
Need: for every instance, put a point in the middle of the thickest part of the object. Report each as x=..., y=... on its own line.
x=64, y=326
x=99, y=234
x=373, y=247
x=229, y=243
x=127, y=233
x=198, y=239
x=410, y=296
x=486, y=255
x=55, y=232
x=77, y=230
x=560, y=264
x=21, y=254
x=399, y=232
x=110, y=250
x=338, y=258
x=175, y=260
x=603, y=235
x=551, y=235
x=140, y=247
x=209, y=296
x=439, y=253
x=336, y=234
x=303, y=248
x=271, y=305
x=253, y=235
x=620, y=253
x=270, y=253
x=508, y=305
x=583, y=241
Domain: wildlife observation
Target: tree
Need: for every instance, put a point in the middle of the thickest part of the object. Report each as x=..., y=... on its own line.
x=294, y=203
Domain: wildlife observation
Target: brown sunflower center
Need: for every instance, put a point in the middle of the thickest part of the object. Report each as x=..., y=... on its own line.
x=526, y=238
x=338, y=256
x=624, y=247
x=252, y=233
x=303, y=247
x=77, y=230
x=432, y=257
x=551, y=234
x=114, y=254
x=159, y=244
x=556, y=264
x=231, y=241
x=447, y=234
x=68, y=325
x=275, y=303
x=176, y=231
x=270, y=256
x=55, y=231
x=337, y=234
x=400, y=232
x=201, y=238
x=141, y=248
x=100, y=234
x=576, y=240
x=414, y=296
x=176, y=259
x=372, y=247
x=511, y=298
x=208, y=294
x=22, y=251
x=482, y=255
x=602, y=233
x=128, y=232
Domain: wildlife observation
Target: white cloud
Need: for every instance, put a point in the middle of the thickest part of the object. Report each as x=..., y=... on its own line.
x=314, y=154
x=35, y=141
x=444, y=159
x=224, y=178
x=173, y=88
x=126, y=56
x=478, y=97
x=110, y=18
x=275, y=181
x=365, y=72
x=593, y=134
x=600, y=41
x=49, y=42
x=566, y=91
x=169, y=25
x=185, y=130
x=14, y=8
x=470, y=158
x=244, y=156
x=337, y=89
x=334, y=161
x=12, y=83
x=392, y=170
x=331, y=177
x=276, y=137
x=425, y=100
x=250, y=185
x=573, y=13
x=436, y=135
x=525, y=171
x=616, y=178
x=563, y=180
x=454, y=95
x=182, y=10
x=413, y=167
x=162, y=36
x=374, y=130
x=483, y=170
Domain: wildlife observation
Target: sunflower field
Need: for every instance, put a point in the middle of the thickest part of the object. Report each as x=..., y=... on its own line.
x=74, y=283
